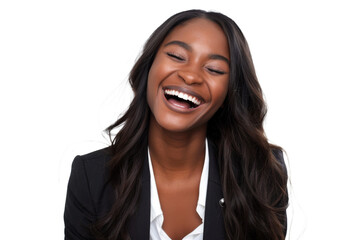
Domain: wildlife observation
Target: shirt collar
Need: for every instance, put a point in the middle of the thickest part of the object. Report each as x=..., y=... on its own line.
x=154, y=197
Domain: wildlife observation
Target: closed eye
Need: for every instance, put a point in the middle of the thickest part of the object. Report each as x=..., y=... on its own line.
x=175, y=56
x=215, y=71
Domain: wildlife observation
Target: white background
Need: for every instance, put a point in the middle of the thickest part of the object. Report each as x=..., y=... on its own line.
x=63, y=72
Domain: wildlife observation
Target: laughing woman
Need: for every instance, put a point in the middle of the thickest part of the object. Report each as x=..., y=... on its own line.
x=191, y=160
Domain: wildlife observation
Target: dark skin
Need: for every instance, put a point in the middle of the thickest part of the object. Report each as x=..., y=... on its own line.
x=194, y=60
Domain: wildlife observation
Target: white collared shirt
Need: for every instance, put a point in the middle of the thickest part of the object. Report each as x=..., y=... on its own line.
x=156, y=214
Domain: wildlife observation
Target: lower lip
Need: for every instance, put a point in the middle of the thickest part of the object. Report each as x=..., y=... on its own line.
x=177, y=108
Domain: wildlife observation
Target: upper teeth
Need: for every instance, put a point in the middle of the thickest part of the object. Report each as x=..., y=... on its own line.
x=183, y=96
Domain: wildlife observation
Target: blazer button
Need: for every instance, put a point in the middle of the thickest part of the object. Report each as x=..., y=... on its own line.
x=222, y=202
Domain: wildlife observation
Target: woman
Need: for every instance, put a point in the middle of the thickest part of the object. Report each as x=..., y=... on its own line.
x=191, y=160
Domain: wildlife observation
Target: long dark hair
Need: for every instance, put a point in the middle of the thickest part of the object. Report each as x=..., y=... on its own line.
x=253, y=180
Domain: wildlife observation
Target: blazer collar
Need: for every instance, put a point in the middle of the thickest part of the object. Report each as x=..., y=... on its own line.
x=139, y=225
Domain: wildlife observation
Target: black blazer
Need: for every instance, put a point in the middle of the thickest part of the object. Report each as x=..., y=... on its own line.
x=89, y=196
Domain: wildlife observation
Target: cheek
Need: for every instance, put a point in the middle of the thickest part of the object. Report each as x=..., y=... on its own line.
x=220, y=92
x=156, y=72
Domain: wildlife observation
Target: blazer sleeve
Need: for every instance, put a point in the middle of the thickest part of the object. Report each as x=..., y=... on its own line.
x=79, y=207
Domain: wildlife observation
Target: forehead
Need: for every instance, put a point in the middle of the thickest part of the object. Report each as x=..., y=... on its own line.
x=200, y=32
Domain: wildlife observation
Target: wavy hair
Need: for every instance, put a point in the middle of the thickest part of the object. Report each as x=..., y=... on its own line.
x=253, y=180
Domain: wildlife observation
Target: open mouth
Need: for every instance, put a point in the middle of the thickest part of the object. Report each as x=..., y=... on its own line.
x=182, y=99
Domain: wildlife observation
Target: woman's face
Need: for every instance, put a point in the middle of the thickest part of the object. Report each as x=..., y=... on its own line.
x=188, y=80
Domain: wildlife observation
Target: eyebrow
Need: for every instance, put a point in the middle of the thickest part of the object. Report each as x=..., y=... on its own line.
x=189, y=48
x=219, y=57
x=181, y=44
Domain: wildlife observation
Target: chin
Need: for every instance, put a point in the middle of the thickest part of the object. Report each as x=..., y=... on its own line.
x=177, y=125
x=173, y=125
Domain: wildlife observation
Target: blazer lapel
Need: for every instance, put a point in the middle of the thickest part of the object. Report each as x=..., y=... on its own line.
x=139, y=226
x=214, y=222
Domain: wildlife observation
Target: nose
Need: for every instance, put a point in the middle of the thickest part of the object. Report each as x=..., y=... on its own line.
x=190, y=77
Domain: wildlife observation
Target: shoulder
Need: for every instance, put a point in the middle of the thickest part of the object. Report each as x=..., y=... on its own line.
x=92, y=159
x=88, y=195
x=89, y=175
x=92, y=164
x=279, y=156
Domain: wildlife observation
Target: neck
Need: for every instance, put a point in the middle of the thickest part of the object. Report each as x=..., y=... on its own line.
x=176, y=154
